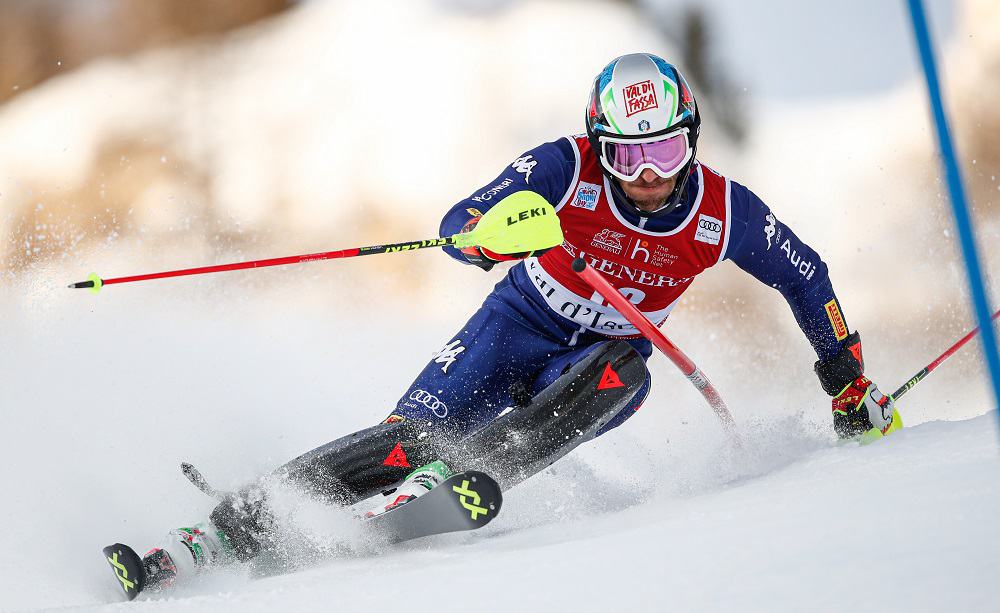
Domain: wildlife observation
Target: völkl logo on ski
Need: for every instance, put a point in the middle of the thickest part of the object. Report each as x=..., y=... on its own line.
x=121, y=572
x=464, y=496
x=128, y=569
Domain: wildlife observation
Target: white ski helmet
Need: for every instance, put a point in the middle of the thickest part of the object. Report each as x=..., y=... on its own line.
x=642, y=114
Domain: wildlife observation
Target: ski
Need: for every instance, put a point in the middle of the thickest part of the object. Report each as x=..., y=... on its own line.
x=465, y=501
x=128, y=568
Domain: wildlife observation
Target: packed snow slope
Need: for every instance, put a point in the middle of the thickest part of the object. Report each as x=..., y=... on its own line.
x=104, y=396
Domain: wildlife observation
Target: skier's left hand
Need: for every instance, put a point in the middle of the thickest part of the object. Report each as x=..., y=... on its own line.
x=859, y=407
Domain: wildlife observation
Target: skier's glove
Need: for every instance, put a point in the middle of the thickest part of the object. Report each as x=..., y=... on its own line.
x=486, y=259
x=859, y=408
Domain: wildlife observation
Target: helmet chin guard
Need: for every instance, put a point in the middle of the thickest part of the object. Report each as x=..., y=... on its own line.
x=640, y=99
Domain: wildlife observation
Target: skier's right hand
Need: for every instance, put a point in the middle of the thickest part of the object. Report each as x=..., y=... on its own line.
x=486, y=259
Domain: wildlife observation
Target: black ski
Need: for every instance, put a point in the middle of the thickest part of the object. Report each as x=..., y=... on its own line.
x=465, y=501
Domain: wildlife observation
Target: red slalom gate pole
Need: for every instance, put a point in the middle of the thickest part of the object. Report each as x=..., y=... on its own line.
x=651, y=332
x=926, y=370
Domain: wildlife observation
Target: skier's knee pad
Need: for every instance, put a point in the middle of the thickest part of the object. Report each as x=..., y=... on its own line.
x=359, y=465
x=602, y=381
x=569, y=411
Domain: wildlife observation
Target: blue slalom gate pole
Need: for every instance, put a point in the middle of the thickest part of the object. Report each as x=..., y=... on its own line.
x=956, y=191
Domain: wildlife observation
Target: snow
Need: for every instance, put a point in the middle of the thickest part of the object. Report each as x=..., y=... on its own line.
x=112, y=392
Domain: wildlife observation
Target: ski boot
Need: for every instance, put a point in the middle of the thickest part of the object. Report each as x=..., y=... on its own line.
x=417, y=483
x=184, y=552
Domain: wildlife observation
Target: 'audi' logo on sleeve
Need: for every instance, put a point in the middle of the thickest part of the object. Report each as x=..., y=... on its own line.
x=430, y=401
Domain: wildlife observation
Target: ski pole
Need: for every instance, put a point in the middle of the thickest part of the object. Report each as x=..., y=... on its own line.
x=537, y=228
x=651, y=332
x=95, y=283
x=926, y=370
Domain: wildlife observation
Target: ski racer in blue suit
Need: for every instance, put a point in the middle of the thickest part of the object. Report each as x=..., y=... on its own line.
x=636, y=203
x=515, y=324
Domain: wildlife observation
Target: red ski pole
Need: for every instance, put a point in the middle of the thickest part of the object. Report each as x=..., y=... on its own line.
x=537, y=222
x=926, y=370
x=95, y=283
x=651, y=332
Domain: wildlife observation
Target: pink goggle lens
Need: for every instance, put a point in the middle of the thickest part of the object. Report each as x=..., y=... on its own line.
x=666, y=156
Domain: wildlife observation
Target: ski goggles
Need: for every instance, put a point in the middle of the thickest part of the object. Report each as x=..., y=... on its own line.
x=665, y=155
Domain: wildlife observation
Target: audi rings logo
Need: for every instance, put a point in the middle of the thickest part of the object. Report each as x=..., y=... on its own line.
x=709, y=230
x=430, y=401
x=711, y=226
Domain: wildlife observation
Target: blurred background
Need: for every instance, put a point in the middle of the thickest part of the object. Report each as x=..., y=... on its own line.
x=144, y=136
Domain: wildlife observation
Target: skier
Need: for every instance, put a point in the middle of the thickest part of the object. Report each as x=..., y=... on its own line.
x=638, y=206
